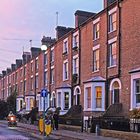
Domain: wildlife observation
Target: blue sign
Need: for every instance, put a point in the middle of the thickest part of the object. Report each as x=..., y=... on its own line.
x=44, y=92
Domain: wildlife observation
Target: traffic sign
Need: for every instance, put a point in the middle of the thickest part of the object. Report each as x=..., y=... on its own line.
x=44, y=92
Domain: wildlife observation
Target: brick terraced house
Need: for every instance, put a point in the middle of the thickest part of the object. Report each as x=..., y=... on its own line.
x=96, y=64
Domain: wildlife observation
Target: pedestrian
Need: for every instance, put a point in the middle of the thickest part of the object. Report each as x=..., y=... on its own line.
x=33, y=115
x=56, y=120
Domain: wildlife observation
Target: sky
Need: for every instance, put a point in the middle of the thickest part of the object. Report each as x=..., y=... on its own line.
x=25, y=20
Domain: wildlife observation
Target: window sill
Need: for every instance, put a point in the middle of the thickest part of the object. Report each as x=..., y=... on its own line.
x=52, y=61
x=64, y=80
x=52, y=83
x=110, y=67
x=95, y=71
x=112, y=31
x=137, y=106
x=88, y=109
x=99, y=109
x=94, y=110
x=65, y=53
x=75, y=48
x=96, y=39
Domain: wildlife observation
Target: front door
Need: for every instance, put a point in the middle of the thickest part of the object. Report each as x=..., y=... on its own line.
x=116, y=96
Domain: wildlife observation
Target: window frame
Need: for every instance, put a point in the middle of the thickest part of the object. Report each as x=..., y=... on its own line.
x=98, y=98
x=52, y=75
x=93, y=85
x=112, y=23
x=75, y=64
x=65, y=70
x=65, y=46
x=96, y=31
x=137, y=93
x=37, y=81
x=52, y=55
x=75, y=40
x=96, y=60
x=46, y=78
x=112, y=60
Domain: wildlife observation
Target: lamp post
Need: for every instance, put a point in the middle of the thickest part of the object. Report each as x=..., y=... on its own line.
x=44, y=91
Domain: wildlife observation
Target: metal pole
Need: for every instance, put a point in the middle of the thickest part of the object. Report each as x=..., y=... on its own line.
x=44, y=116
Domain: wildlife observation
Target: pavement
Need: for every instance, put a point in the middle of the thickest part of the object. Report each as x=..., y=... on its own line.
x=60, y=134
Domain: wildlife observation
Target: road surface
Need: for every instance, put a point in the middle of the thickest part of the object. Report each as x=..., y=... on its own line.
x=13, y=133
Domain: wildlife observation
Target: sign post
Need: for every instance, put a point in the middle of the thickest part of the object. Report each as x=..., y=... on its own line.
x=44, y=94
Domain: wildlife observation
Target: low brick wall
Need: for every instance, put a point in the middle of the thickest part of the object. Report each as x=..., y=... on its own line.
x=70, y=127
x=120, y=134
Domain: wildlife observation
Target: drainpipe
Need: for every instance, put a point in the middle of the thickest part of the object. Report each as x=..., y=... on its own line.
x=50, y=74
x=79, y=82
x=119, y=39
x=3, y=88
x=24, y=85
x=72, y=69
x=107, y=81
x=35, y=83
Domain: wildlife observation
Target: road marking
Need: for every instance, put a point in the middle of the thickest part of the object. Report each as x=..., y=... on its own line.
x=13, y=137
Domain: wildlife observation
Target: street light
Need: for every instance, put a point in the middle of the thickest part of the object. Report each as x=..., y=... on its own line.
x=43, y=48
x=44, y=95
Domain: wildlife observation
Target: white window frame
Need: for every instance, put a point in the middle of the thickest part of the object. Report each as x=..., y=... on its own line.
x=65, y=46
x=98, y=98
x=93, y=96
x=21, y=72
x=25, y=85
x=46, y=77
x=76, y=94
x=76, y=65
x=111, y=60
x=18, y=103
x=21, y=86
x=75, y=39
x=65, y=70
x=32, y=83
x=95, y=22
x=52, y=54
x=32, y=69
x=96, y=48
x=136, y=93
x=36, y=64
x=52, y=75
x=37, y=81
x=62, y=91
x=27, y=100
x=110, y=15
x=45, y=58
x=134, y=76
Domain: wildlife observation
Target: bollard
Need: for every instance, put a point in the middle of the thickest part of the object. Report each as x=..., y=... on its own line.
x=41, y=125
x=97, y=130
x=48, y=128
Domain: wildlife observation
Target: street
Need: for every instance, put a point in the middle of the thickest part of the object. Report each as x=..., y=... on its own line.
x=30, y=132
x=13, y=133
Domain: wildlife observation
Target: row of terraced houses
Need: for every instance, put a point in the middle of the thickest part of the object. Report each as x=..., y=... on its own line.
x=96, y=64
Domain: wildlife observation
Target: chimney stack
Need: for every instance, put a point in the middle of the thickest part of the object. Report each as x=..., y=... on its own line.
x=8, y=70
x=108, y=2
x=18, y=63
x=82, y=16
x=35, y=52
x=26, y=57
x=47, y=41
x=13, y=67
x=61, y=31
x=3, y=73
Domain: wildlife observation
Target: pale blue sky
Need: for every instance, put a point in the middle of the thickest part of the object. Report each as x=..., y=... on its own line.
x=24, y=20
